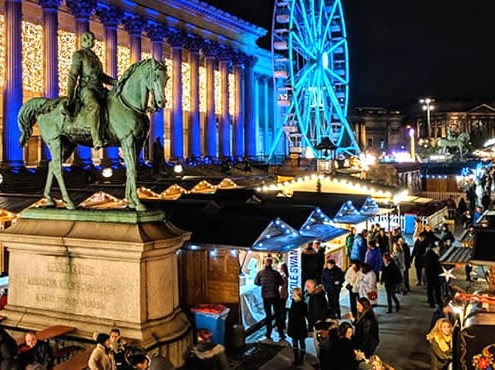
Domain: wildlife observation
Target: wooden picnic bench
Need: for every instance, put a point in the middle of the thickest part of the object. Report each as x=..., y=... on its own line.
x=49, y=333
x=76, y=362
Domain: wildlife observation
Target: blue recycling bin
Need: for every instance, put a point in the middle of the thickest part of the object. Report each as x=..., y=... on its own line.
x=409, y=219
x=211, y=317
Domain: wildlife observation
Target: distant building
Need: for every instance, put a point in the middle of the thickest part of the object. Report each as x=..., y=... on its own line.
x=380, y=129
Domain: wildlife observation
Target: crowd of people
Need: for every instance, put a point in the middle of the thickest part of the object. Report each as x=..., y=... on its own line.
x=375, y=257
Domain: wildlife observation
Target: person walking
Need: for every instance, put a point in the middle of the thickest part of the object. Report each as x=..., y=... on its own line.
x=440, y=339
x=359, y=246
x=433, y=269
x=367, y=284
x=352, y=276
x=270, y=281
x=317, y=303
x=366, y=337
x=418, y=252
x=283, y=290
x=373, y=257
x=332, y=279
x=397, y=255
x=407, y=263
x=391, y=276
x=297, y=327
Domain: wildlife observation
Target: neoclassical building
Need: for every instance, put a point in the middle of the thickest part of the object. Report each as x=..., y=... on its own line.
x=219, y=96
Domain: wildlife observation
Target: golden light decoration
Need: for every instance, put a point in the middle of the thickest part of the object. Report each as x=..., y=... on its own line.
x=202, y=89
x=145, y=55
x=231, y=94
x=186, y=87
x=123, y=59
x=2, y=51
x=32, y=57
x=67, y=47
x=218, y=92
x=99, y=50
x=168, y=85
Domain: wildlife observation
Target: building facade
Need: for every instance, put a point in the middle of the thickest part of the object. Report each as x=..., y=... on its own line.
x=219, y=97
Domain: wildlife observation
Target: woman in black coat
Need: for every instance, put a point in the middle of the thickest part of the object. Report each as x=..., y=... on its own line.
x=8, y=349
x=297, y=325
x=391, y=277
x=346, y=360
x=366, y=336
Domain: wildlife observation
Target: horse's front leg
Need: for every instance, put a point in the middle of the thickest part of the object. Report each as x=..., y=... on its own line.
x=56, y=170
x=130, y=158
x=48, y=186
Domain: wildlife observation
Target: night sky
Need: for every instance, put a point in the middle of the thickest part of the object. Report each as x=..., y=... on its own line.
x=401, y=50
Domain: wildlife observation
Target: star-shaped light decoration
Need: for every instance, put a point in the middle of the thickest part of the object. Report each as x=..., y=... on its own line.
x=448, y=274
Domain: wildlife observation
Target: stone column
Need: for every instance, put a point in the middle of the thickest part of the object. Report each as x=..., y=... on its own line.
x=238, y=66
x=110, y=17
x=194, y=44
x=265, y=100
x=224, y=60
x=176, y=40
x=50, y=60
x=156, y=33
x=82, y=11
x=135, y=26
x=250, y=124
x=12, y=92
x=209, y=53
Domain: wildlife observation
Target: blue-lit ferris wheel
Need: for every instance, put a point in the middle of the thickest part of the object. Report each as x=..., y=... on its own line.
x=311, y=75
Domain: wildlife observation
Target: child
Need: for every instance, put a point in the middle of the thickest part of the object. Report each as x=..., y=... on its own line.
x=297, y=326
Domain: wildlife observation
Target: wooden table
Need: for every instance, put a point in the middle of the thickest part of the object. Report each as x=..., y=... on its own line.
x=78, y=362
x=51, y=332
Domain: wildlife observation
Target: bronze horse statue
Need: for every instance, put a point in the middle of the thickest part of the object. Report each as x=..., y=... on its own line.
x=460, y=143
x=128, y=125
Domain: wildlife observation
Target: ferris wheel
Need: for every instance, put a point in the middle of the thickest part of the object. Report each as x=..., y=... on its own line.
x=311, y=76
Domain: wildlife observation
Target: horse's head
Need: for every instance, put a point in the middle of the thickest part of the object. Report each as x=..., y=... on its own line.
x=156, y=85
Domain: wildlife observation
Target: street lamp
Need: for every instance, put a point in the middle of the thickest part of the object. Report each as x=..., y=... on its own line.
x=427, y=106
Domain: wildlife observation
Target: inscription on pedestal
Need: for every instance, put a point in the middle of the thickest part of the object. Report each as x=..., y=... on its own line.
x=70, y=286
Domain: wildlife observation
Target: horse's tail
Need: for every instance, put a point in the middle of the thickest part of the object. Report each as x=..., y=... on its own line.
x=27, y=118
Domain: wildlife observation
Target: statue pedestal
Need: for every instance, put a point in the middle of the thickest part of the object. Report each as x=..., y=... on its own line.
x=97, y=269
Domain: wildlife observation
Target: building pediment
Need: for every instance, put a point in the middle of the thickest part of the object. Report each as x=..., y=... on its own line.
x=482, y=108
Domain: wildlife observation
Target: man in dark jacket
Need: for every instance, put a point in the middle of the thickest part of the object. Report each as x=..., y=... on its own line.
x=418, y=252
x=34, y=352
x=433, y=269
x=8, y=350
x=332, y=279
x=270, y=280
x=407, y=264
x=317, y=303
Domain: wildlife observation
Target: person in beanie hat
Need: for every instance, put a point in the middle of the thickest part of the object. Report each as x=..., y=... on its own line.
x=101, y=358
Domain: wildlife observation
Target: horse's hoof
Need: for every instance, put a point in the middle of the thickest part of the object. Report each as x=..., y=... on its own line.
x=141, y=207
x=49, y=202
x=70, y=205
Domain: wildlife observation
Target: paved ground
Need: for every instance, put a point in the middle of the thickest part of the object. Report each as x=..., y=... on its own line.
x=402, y=335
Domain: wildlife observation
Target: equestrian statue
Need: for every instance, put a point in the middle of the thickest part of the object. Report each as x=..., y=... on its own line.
x=460, y=143
x=95, y=117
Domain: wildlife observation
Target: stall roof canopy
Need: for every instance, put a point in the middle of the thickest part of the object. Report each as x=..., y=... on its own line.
x=253, y=226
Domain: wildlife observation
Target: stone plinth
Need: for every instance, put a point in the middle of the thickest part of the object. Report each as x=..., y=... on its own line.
x=96, y=269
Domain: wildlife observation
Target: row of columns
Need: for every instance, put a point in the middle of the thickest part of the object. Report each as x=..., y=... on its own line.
x=243, y=143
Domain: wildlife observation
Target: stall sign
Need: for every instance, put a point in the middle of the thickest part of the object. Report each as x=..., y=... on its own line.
x=294, y=267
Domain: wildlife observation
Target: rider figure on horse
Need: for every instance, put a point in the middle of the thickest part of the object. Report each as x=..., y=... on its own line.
x=86, y=79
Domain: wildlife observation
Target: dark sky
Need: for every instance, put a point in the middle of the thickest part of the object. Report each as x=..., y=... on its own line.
x=401, y=50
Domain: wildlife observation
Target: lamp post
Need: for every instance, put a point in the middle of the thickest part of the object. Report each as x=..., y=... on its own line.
x=427, y=106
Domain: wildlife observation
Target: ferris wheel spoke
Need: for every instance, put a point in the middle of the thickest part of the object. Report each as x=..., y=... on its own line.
x=302, y=78
x=336, y=76
x=328, y=21
x=334, y=99
x=303, y=49
x=300, y=13
x=334, y=46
